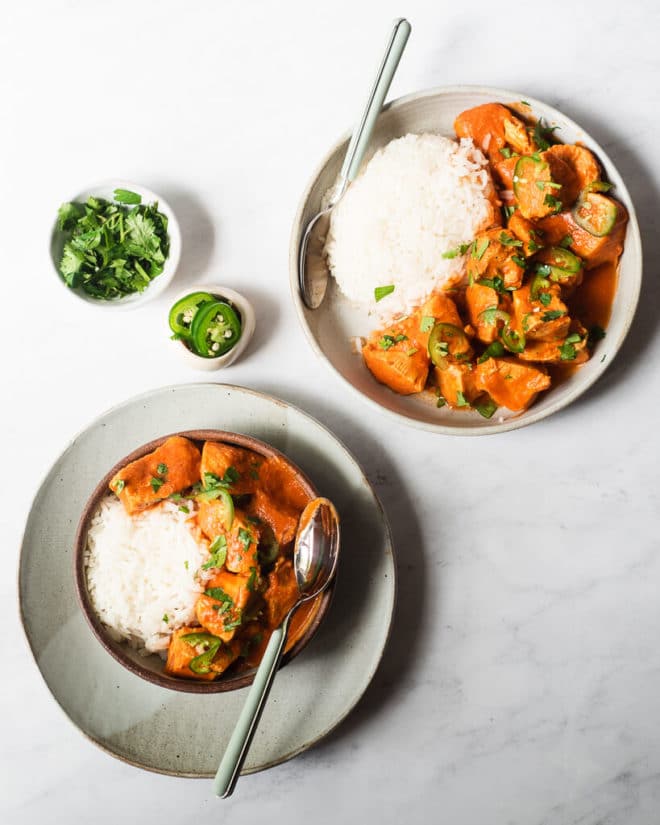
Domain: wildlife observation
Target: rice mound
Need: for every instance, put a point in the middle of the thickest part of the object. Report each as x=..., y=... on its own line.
x=143, y=572
x=418, y=197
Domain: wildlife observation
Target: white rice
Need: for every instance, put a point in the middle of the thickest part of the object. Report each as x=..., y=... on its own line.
x=143, y=571
x=418, y=197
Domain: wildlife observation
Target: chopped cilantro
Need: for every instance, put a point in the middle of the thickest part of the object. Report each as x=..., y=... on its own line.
x=218, y=551
x=553, y=202
x=119, y=485
x=596, y=334
x=459, y=250
x=112, y=249
x=411, y=352
x=567, y=352
x=550, y=184
x=566, y=241
x=479, y=248
x=494, y=350
x=175, y=496
x=427, y=323
x=185, y=564
x=156, y=483
x=252, y=579
x=184, y=509
x=495, y=283
x=245, y=537
x=508, y=211
x=552, y=315
x=461, y=400
x=545, y=298
x=518, y=259
x=381, y=292
x=166, y=618
x=506, y=152
x=507, y=240
x=485, y=406
x=162, y=469
x=543, y=134
x=440, y=401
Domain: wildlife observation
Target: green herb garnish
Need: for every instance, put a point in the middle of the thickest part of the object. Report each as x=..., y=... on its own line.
x=545, y=298
x=440, y=401
x=156, y=483
x=218, y=551
x=479, y=249
x=427, y=323
x=494, y=350
x=567, y=352
x=245, y=537
x=119, y=485
x=381, y=292
x=459, y=250
x=566, y=241
x=461, y=400
x=162, y=469
x=506, y=152
x=507, y=240
x=552, y=315
x=126, y=196
x=184, y=509
x=596, y=334
x=485, y=406
x=518, y=259
x=495, y=283
x=112, y=249
x=543, y=134
x=166, y=618
x=251, y=580
x=553, y=202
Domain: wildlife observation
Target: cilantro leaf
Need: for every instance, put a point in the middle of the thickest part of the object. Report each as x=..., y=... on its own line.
x=381, y=292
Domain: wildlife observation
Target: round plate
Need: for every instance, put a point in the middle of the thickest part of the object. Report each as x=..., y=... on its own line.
x=332, y=328
x=184, y=734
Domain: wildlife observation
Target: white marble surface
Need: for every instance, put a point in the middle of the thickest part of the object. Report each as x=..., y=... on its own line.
x=522, y=684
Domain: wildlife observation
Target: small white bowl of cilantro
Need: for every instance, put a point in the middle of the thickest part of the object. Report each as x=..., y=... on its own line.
x=116, y=245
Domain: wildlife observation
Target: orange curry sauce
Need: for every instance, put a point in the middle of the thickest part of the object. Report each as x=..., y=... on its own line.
x=541, y=277
x=247, y=508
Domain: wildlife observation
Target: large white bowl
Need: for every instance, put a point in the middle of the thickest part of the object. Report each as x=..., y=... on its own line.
x=332, y=328
x=106, y=190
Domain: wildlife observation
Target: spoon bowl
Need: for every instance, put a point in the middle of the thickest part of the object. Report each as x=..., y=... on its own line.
x=315, y=562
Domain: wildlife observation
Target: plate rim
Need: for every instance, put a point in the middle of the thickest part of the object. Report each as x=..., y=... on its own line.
x=390, y=552
x=633, y=238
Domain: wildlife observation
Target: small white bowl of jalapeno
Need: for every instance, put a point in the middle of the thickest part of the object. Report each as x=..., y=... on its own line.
x=211, y=325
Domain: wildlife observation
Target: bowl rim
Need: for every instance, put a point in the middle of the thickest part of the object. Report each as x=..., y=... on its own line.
x=118, y=649
x=633, y=239
x=159, y=284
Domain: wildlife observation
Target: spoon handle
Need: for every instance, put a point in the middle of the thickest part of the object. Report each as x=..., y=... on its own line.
x=241, y=738
x=362, y=134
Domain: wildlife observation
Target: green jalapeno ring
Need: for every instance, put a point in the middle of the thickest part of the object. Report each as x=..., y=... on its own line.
x=215, y=329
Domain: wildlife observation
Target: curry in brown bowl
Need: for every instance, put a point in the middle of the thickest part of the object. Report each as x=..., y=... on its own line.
x=183, y=559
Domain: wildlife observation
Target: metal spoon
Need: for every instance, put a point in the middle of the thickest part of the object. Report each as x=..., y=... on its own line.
x=312, y=268
x=314, y=561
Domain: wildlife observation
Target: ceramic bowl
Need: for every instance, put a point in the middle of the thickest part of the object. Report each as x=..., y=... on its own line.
x=159, y=284
x=331, y=330
x=151, y=667
x=248, y=323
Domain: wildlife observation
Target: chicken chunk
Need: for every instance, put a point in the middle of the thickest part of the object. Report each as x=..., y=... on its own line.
x=171, y=468
x=510, y=383
x=218, y=458
x=456, y=383
x=396, y=361
x=497, y=254
x=593, y=250
x=493, y=127
x=541, y=321
x=281, y=518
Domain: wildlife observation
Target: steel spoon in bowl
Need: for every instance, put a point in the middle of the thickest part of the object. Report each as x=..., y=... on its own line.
x=312, y=268
x=315, y=561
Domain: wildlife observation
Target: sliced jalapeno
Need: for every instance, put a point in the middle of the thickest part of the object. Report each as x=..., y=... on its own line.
x=564, y=266
x=539, y=284
x=492, y=315
x=215, y=329
x=225, y=500
x=448, y=342
x=184, y=310
x=202, y=663
x=595, y=213
x=514, y=341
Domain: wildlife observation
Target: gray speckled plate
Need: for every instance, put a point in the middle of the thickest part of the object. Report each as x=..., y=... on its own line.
x=179, y=733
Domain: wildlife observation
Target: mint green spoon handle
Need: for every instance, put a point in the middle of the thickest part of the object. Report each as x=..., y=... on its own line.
x=362, y=134
x=241, y=738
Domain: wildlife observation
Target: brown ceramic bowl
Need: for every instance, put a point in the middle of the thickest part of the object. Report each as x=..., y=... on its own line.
x=151, y=667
